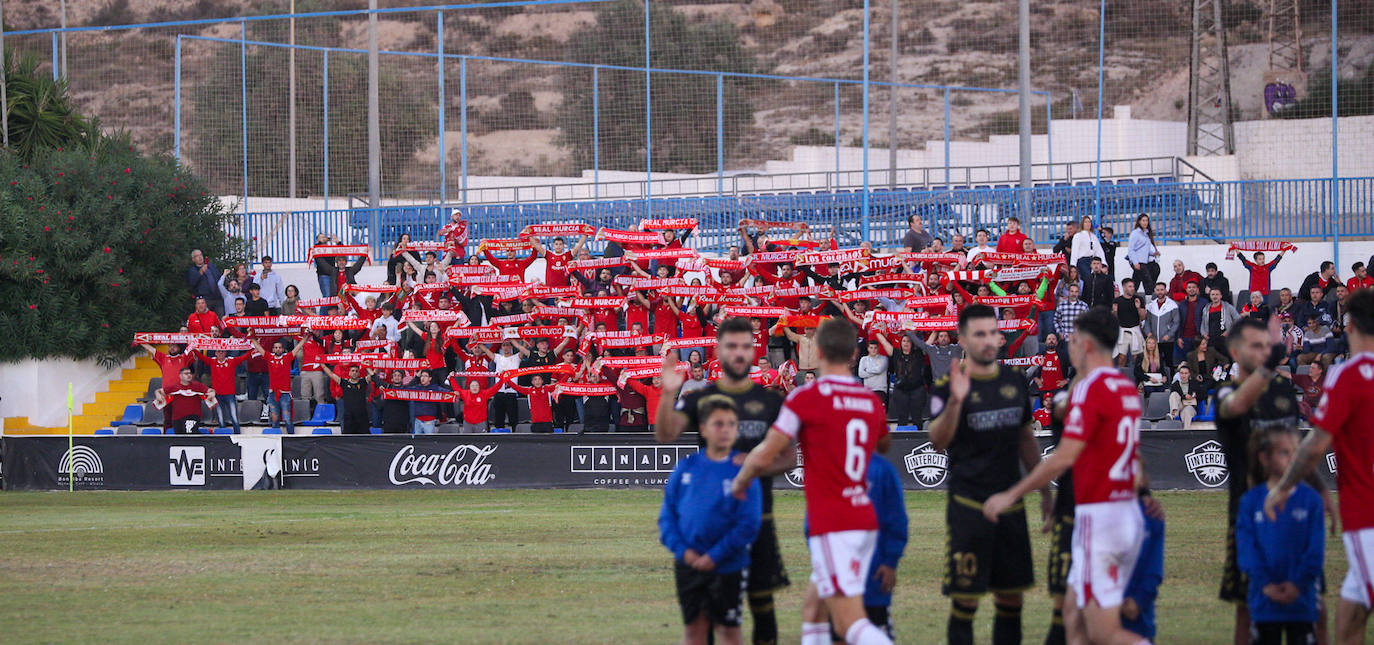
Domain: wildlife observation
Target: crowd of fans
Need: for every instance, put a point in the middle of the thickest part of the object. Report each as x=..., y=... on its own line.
x=457, y=338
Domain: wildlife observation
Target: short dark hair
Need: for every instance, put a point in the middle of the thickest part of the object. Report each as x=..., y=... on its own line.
x=266, y=258
x=1101, y=325
x=1237, y=330
x=1108, y=229
x=185, y=369
x=1357, y=266
x=1328, y=264
x=240, y=299
x=1360, y=307
x=734, y=325
x=974, y=312
x=253, y=285
x=1014, y=218
x=1161, y=284
x=1130, y=280
x=1211, y=265
x=912, y=217
x=560, y=239
x=835, y=340
x=711, y=404
x=987, y=232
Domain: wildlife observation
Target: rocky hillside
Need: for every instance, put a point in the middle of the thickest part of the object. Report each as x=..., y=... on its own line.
x=125, y=77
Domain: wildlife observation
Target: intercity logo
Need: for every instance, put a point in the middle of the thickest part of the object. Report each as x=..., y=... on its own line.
x=928, y=465
x=80, y=466
x=1331, y=462
x=796, y=476
x=628, y=459
x=1045, y=454
x=186, y=465
x=1207, y=462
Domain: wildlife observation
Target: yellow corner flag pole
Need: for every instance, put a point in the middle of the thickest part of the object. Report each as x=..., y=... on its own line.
x=71, y=407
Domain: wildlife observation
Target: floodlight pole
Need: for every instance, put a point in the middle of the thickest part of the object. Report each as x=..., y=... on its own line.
x=892, y=105
x=291, y=108
x=4, y=82
x=1024, y=93
x=374, y=132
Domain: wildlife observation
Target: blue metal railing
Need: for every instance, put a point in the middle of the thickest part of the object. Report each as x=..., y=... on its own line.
x=1297, y=209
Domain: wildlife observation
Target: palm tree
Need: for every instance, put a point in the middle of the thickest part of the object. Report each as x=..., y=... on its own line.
x=41, y=114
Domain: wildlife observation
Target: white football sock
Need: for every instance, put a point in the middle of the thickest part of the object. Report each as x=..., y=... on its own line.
x=815, y=634
x=863, y=632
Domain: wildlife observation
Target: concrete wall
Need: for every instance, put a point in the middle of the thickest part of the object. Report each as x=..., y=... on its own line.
x=38, y=389
x=1301, y=148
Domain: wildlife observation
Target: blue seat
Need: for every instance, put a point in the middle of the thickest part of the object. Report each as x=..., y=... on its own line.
x=223, y=431
x=499, y=430
x=324, y=415
x=133, y=415
x=271, y=430
x=908, y=429
x=1206, y=413
x=150, y=431
x=103, y=431
x=558, y=431
x=1146, y=180
x=321, y=431
x=375, y=430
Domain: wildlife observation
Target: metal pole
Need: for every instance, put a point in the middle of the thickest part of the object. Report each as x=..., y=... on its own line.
x=56, y=58
x=64, y=38
x=374, y=130
x=837, y=137
x=720, y=133
x=243, y=106
x=443, y=152
x=463, y=125
x=648, y=119
x=1049, y=136
x=1101, y=53
x=291, y=100
x=1024, y=82
x=596, y=132
x=1335, y=146
x=947, y=136
x=326, y=129
x=892, y=105
x=863, y=200
x=4, y=83
x=176, y=99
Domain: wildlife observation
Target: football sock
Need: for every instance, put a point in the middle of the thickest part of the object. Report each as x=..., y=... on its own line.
x=1006, y=626
x=765, y=621
x=960, y=630
x=863, y=632
x=815, y=634
x=1056, y=633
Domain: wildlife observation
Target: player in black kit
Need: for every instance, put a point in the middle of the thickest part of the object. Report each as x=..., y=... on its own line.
x=1258, y=399
x=983, y=420
x=758, y=409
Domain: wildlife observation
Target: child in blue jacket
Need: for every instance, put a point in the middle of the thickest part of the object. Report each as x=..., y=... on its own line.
x=1138, y=605
x=885, y=489
x=1284, y=557
x=708, y=530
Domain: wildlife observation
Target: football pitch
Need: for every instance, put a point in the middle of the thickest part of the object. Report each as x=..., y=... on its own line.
x=520, y=566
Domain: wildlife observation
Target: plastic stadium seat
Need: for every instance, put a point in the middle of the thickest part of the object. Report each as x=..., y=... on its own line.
x=1168, y=424
x=523, y=428
x=575, y=428
x=908, y=429
x=271, y=430
x=151, y=415
x=300, y=411
x=126, y=430
x=448, y=428
x=153, y=385
x=324, y=415
x=250, y=411
x=1156, y=407
x=105, y=431
x=558, y=430
x=375, y=430
x=132, y=415
x=1205, y=411
x=223, y=431
x=501, y=430
x=322, y=431
x=151, y=431
x=1242, y=298
x=522, y=407
x=1146, y=180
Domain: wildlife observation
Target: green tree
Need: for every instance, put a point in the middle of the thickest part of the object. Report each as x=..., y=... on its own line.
x=408, y=118
x=94, y=236
x=684, y=105
x=1355, y=97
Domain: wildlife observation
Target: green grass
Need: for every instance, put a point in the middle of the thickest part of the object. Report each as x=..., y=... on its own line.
x=456, y=566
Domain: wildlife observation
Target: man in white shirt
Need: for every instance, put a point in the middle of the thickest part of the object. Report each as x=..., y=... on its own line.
x=272, y=289
x=504, y=410
x=982, y=237
x=388, y=321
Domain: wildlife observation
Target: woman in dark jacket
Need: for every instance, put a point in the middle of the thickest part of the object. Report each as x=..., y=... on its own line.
x=906, y=368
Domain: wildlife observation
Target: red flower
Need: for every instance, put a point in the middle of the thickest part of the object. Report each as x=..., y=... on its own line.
x=31, y=258
x=40, y=208
x=71, y=218
x=45, y=280
x=40, y=271
x=14, y=183
x=107, y=249
x=61, y=174
x=46, y=229
x=33, y=306
x=127, y=171
x=106, y=325
x=109, y=197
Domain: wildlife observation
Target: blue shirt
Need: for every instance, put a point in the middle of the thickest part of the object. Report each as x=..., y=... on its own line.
x=699, y=513
x=1140, y=248
x=1289, y=549
x=1143, y=586
x=885, y=489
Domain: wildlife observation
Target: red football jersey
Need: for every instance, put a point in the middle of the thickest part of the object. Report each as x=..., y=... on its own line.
x=172, y=365
x=279, y=372
x=1104, y=413
x=1352, y=434
x=556, y=268
x=837, y=423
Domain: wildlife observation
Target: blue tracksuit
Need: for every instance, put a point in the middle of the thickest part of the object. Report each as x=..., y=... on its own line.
x=885, y=489
x=1289, y=549
x=1149, y=572
x=699, y=512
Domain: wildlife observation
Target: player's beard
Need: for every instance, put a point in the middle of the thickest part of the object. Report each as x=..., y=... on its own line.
x=728, y=369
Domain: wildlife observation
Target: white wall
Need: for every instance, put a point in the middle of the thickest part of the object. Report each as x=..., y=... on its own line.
x=1301, y=148
x=38, y=389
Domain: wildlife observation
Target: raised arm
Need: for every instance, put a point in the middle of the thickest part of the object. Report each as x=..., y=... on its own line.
x=537, y=246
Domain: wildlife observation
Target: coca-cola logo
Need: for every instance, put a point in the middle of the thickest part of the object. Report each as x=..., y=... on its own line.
x=464, y=465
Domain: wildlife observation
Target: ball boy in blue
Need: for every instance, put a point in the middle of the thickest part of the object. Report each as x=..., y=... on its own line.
x=1283, y=557
x=708, y=530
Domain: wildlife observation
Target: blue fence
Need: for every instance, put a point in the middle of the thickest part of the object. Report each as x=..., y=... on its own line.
x=1298, y=209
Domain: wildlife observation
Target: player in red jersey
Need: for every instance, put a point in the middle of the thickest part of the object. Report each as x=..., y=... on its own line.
x=1102, y=443
x=1339, y=420
x=556, y=259
x=837, y=422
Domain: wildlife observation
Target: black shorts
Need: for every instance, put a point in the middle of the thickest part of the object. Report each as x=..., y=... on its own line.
x=766, y=572
x=983, y=556
x=1061, y=554
x=1235, y=585
x=720, y=595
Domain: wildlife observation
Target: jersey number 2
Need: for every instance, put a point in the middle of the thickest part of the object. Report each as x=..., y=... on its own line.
x=1127, y=435
x=855, y=436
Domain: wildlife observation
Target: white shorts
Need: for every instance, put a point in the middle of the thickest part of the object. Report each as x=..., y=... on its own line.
x=1130, y=340
x=839, y=562
x=1106, y=543
x=1359, y=577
